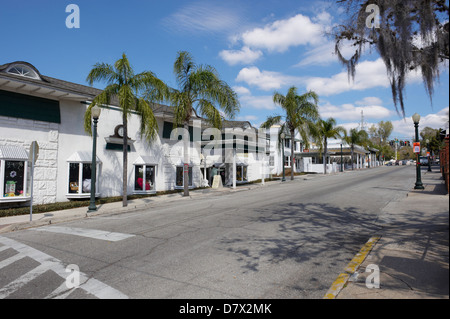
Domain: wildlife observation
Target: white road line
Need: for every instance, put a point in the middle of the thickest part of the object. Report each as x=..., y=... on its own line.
x=61, y=292
x=90, y=285
x=90, y=233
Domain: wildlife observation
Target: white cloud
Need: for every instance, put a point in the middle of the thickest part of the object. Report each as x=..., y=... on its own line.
x=323, y=54
x=369, y=74
x=282, y=34
x=264, y=80
x=245, y=55
x=370, y=100
x=241, y=90
x=349, y=112
x=262, y=102
x=202, y=16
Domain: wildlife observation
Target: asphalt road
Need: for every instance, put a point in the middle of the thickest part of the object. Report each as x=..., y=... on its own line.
x=287, y=240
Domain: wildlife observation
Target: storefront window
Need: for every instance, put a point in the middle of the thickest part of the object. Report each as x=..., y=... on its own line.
x=241, y=173
x=144, y=175
x=14, y=178
x=179, y=177
x=80, y=175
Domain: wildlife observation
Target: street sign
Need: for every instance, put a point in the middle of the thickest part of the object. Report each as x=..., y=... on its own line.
x=34, y=152
x=33, y=155
x=416, y=147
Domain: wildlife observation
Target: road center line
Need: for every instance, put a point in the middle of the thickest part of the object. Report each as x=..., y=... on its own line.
x=90, y=233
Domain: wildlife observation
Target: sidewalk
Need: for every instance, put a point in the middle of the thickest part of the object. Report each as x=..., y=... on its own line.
x=14, y=223
x=411, y=252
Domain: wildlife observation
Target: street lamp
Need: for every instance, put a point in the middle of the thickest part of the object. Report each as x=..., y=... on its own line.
x=342, y=168
x=429, y=155
x=282, y=161
x=418, y=185
x=95, y=113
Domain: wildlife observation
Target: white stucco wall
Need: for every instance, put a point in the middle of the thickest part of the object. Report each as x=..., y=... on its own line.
x=21, y=132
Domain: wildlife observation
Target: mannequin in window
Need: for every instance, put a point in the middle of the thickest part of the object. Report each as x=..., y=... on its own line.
x=140, y=182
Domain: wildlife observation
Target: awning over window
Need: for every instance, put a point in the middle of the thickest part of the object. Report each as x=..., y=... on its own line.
x=13, y=153
x=145, y=160
x=82, y=157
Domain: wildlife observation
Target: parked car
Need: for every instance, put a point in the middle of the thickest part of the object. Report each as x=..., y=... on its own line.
x=423, y=160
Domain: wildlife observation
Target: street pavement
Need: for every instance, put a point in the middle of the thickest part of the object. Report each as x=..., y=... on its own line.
x=407, y=258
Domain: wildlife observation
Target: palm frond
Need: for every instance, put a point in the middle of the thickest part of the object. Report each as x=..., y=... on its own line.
x=102, y=72
x=271, y=121
x=148, y=122
x=124, y=68
x=211, y=113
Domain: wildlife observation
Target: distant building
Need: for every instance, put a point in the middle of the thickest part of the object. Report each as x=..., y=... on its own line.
x=310, y=159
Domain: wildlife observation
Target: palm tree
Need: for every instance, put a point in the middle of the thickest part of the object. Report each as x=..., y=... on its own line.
x=356, y=137
x=301, y=112
x=324, y=130
x=200, y=90
x=124, y=86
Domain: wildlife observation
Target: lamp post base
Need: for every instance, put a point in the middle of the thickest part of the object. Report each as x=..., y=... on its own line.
x=92, y=209
x=419, y=186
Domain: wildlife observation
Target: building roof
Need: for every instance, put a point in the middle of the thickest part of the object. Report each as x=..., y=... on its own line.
x=44, y=85
x=52, y=88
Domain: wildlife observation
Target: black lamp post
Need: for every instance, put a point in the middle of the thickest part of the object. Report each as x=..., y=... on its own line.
x=418, y=185
x=95, y=112
x=282, y=162
x=342, y=168
x=429, y=155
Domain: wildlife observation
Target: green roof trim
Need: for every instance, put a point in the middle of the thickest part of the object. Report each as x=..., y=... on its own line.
x=29, y=107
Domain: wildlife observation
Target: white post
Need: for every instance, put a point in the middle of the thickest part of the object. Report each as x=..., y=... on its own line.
x=234, y=168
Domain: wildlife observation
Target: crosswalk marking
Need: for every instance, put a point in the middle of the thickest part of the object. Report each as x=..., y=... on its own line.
x=90, y=285
x=90, y=233
x=23, y=280
x=10, y=260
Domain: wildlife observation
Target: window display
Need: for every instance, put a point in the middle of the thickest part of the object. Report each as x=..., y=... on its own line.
x=147, y=179
x=14, y=178
x=179, y=177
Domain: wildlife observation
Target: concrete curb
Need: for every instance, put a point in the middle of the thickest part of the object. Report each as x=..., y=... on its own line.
x=351, y=268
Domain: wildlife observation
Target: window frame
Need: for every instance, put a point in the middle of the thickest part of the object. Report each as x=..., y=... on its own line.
x=79, y=193
x=190, y=172
x=25, y=71
x=152, y=190
x=16, y=198
x=243, y=169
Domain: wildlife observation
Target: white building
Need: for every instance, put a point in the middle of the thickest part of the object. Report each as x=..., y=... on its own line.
x=50, y=111
x=310, y=159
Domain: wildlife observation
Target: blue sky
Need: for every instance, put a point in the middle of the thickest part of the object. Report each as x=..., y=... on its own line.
x=257, y=46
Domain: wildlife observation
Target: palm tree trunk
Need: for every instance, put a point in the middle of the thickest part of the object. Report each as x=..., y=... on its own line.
x=325, y=157
x=186, y=159
x=292, y=154
x=125, y=161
